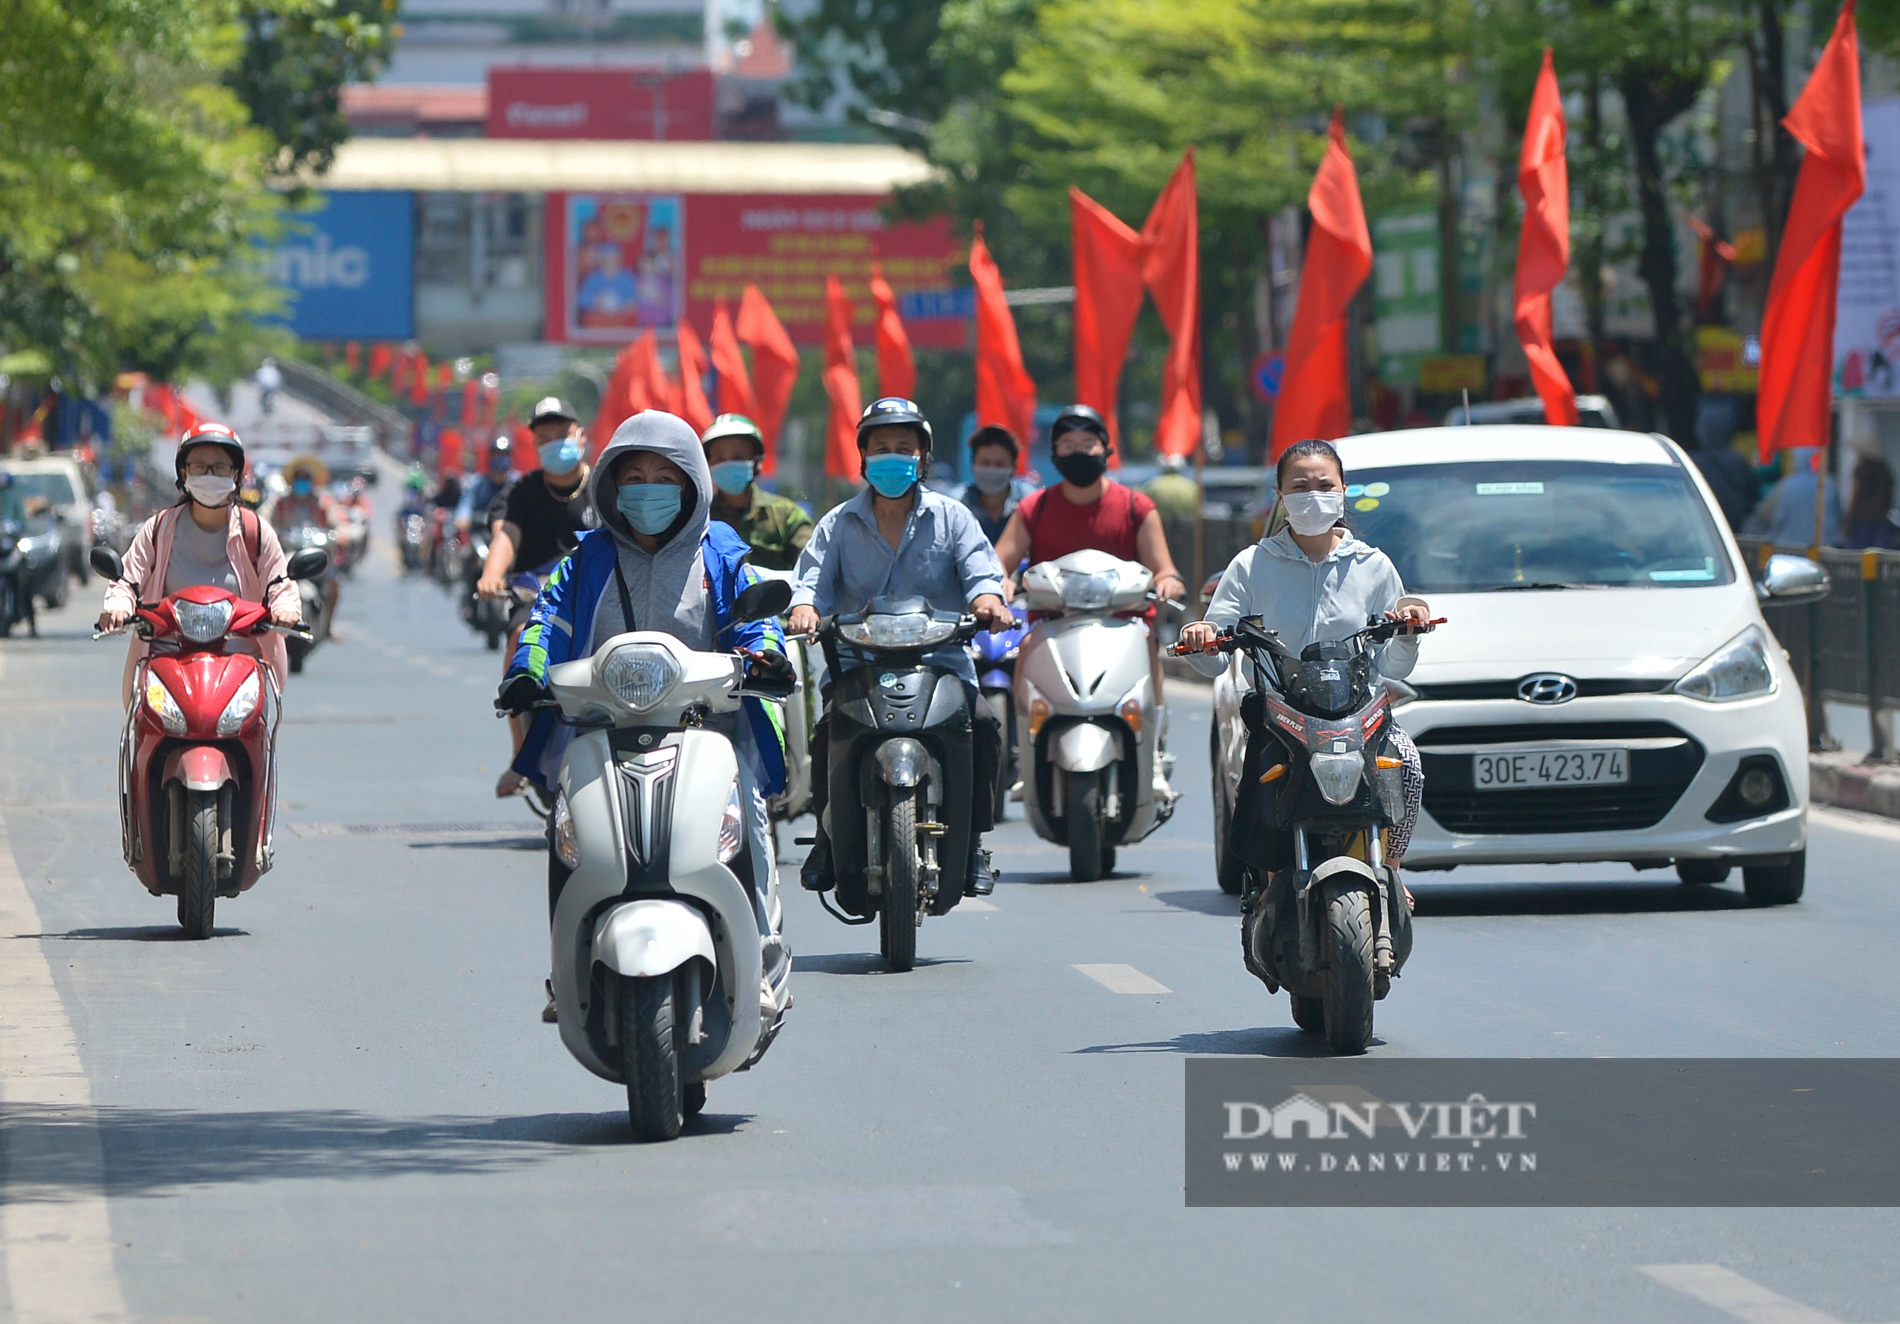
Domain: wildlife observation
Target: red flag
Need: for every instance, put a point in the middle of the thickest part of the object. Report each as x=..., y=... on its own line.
x=471, y=403
x=1543, y=245
x=774, y=366
x=381, y=359
x=735, y=383
x=352, y=355
x=614, y=403
x=1107, y=301
x=1004, y=393
x=418, y=378
x=1797, y=330
x=896, y=369
x=1315, y=397
x=841, y=384
x=662, y=392
x=1171, y=267
x=693, y=407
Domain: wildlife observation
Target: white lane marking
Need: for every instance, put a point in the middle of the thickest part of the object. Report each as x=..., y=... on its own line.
x=973, y=904
x=55, y=1229
x=1123, y=979
x=1853, y=821
x=1732, y=1294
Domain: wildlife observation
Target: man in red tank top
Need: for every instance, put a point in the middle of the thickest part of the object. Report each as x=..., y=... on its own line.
x=1090, y=510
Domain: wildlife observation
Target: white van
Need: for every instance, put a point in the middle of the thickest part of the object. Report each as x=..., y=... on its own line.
x=1606, y=688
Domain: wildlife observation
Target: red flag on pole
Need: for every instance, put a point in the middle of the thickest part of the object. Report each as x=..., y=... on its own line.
x=735, y=383
x=841, y=384
x=613, y=409
x=661, y=392
x=693, y=407
x=1797, y=330
x=418, y=378
x=1171, y=267
x=381, y=359
x=1107, y=302
x=896, y=368
x=1005, y=395
x=1543, y=245
x=1315, y=395
x=774, y=366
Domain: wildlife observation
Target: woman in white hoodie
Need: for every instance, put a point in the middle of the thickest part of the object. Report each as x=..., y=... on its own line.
x=1314, y=582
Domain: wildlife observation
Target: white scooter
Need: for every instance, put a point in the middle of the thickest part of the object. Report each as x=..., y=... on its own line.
x=656, y=950
x=1085, y=710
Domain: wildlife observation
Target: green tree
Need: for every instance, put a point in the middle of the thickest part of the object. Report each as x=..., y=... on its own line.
x=294, y=63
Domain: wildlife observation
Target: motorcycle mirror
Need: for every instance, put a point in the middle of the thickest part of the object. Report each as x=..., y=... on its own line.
x=756, y=602
x=310, y=563
x=106, y=563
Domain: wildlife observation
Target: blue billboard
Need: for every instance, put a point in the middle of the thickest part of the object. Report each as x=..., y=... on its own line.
x=350, y=268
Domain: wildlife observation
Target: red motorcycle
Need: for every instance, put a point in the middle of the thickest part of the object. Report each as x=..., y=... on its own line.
x=197, y=762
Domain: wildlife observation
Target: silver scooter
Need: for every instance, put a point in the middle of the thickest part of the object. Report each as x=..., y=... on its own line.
x=656, y=950
x=1085, y=709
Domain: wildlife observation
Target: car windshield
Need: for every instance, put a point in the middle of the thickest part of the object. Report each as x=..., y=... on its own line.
x=56, y=488
x=1524, y=524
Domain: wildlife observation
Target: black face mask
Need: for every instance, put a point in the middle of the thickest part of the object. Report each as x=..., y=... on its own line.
x=1082, y=468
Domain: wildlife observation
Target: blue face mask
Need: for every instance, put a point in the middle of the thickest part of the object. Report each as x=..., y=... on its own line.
x=301, y=486
x=891, y=475
x=733, y=476
x=650, y=508
x=559, y=457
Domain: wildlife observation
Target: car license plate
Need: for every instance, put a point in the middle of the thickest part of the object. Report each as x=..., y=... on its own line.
x=1552, y=768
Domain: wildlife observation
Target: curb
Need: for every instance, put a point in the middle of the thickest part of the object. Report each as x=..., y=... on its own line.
x=1843, y=781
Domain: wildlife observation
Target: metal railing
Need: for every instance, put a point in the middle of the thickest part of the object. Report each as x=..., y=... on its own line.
x=346, y=404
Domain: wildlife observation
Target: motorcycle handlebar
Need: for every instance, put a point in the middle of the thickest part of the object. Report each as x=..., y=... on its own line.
x=1227, y=640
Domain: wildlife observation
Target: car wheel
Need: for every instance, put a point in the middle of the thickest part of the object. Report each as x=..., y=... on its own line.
x=1779, y=884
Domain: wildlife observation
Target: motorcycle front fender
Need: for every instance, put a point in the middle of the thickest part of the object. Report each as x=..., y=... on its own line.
x=642, y=939
x=1085, y=747
x=199, y=767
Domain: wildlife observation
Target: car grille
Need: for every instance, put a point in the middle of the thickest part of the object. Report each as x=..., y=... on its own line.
x=1661, y=768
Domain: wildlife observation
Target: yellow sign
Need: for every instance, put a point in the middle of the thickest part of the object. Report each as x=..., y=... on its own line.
x=1719, y=363
x=1445, y=373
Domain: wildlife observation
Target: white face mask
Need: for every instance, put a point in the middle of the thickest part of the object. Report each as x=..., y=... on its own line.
x=1312, y=513
x=209, y=489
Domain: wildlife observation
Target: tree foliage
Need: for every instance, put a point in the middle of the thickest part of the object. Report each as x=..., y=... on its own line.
x=294, y=64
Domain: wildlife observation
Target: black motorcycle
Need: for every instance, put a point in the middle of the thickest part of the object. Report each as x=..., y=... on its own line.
x=16, y=580
x=1322, y=914
x=901, y=746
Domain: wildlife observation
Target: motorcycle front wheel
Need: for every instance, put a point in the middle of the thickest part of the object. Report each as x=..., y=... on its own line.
x=903, y=869
x=198, y=889
x=649, y=1048
x=1088, y=851
x=1347, y=994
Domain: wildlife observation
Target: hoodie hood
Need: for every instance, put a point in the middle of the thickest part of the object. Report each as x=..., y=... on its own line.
x=667, y=435
x=1281, y=544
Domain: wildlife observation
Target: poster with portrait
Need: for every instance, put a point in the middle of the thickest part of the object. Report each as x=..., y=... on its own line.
x=1867, y=322
x=624, y=265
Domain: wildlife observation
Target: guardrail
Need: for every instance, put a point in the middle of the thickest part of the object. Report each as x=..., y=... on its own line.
x=1846, y=647
x=346, y=404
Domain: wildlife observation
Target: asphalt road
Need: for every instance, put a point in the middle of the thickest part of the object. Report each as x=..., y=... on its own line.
x=345, y=1106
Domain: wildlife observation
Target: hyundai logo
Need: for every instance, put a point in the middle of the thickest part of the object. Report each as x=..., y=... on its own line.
x=1547, y=688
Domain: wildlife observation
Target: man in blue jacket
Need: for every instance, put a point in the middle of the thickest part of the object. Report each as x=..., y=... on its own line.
x=658, y=562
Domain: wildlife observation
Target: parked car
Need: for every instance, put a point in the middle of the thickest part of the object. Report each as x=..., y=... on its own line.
x=1610, y=691
x=59, y=481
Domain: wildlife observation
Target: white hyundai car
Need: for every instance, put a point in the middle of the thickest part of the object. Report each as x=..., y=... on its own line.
x=1606, y=689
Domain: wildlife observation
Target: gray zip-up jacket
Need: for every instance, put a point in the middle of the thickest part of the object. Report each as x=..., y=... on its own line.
x=1311, y=602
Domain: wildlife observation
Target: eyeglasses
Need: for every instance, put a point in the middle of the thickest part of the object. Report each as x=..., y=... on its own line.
x=210, y=471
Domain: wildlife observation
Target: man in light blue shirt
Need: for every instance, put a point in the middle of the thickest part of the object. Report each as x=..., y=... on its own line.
x=1785, y=516
x=898, y=538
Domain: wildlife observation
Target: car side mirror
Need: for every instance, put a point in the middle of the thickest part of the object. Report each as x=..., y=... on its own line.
x=106, y=563
x=310, y=563
x=1792, y=579
x=757, y=602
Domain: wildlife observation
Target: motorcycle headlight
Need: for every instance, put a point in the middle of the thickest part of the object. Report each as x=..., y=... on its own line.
x=242, y=705
x=906, y=630
x=1337, y=776
x=1089, y=592
x=163, y=706
x=202, y=622
x=1740, y=669
x=731, y=826
x=639, y=675
x=566, y=844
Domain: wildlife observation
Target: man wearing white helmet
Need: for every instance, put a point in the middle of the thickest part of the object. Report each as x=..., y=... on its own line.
x=776, y=527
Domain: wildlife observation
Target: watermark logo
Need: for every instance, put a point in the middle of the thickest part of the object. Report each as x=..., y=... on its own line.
x=1405, y=1137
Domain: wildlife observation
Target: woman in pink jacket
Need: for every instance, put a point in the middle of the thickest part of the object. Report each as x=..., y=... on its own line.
x=207, y=538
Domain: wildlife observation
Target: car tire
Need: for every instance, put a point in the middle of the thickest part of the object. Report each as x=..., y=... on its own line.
x=1703, y=873
x=1778, y=884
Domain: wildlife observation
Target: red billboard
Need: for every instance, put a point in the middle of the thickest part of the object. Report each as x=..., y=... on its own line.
x=617, y=263
x=644, y=104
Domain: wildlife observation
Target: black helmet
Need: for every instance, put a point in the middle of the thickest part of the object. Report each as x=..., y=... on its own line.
x=1079, y=418
x=208, y=434
x=894, y=411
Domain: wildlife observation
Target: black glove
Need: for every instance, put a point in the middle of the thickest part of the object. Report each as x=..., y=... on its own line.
x=771, y=673
x=519, y=693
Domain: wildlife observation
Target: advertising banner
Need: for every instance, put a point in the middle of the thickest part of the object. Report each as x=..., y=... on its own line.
x=618, y=263
x=350, y=268
x=643, y=104
x=1405, y=295
x=1867, y=326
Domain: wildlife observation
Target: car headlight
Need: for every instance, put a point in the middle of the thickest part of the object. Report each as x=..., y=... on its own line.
x=566, y=844
x=731, y=826
x=163, y=706
x=1090, y=592
x=202, y=622
x=1740, y=669
x=1337, y=776
x=639, y=675
x=912, y=629
x=242, y=705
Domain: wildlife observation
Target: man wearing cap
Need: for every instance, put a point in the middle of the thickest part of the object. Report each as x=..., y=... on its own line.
x=542, y=519
x=776, y=527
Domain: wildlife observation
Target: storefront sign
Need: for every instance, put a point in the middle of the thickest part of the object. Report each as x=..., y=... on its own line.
x=350, y=266
x=643, y=104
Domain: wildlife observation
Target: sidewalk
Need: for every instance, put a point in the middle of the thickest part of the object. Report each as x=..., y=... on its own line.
x=1842, y=780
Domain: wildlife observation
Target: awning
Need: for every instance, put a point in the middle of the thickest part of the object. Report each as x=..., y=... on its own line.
x=513, y=165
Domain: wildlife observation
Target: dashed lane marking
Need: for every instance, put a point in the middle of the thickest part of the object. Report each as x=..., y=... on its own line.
x=1732, y=1294
x=1123, y=979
